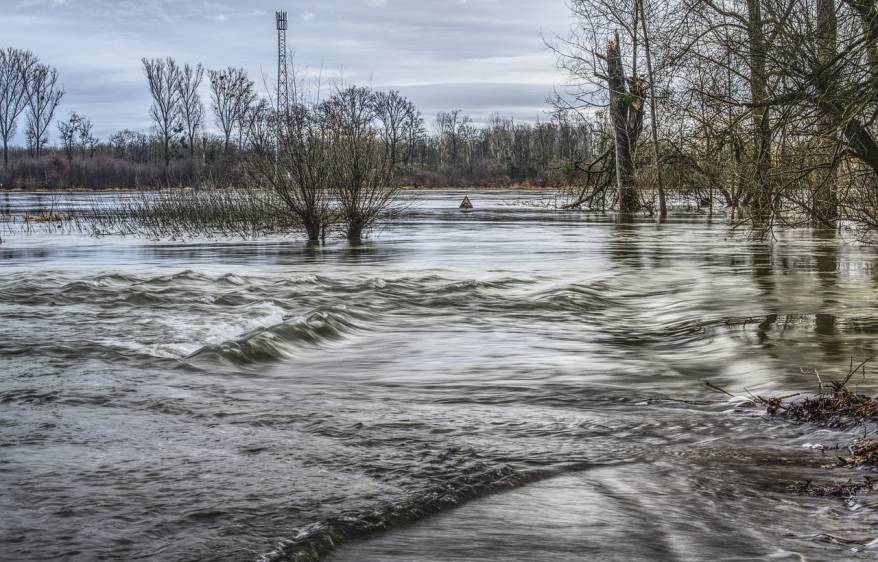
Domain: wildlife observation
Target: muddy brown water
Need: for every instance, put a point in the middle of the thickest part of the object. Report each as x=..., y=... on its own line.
x=510, y=383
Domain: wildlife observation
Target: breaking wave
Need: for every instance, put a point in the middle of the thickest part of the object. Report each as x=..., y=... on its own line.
x=282, y=339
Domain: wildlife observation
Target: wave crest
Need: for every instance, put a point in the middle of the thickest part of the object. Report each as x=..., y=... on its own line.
x=315, y=541
x=283, y=339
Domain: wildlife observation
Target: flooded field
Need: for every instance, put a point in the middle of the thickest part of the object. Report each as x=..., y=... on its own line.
x=511, y=383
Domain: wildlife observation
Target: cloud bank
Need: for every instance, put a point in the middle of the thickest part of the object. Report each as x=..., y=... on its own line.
x=480, y=56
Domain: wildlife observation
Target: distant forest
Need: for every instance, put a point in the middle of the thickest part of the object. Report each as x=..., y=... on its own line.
x=179, y=151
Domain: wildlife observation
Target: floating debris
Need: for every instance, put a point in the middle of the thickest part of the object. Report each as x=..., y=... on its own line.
x=833, y=405
x=843, y=490
x=864, y=451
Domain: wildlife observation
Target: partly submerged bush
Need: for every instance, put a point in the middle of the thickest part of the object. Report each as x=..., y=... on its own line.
x=191, y=212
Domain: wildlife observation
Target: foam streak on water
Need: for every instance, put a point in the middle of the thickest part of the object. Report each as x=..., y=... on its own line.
x=233, y=400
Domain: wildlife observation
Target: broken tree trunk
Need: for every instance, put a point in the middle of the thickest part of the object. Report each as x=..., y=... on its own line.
x=626, y=120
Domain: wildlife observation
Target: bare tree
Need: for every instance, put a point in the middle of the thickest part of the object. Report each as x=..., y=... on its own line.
x=333, y=160
x=87, y=141
x=452, y=129
x=758, y=63
x=398, y=118
x=601, y=57
x=653, y=114
x=245, y=109
x=298, y=169
x=260, y=125
x=232, y=92
x=15, y=72
x=77, y=131
x=363, y=162
x=826, y=197
x=44, y=95
x=164, y=77
x=69, y=131
x=191, y=108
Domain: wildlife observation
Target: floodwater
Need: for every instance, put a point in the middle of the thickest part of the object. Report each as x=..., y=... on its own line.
x=512, y=383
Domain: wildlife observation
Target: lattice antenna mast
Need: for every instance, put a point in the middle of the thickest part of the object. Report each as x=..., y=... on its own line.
x=283, y=82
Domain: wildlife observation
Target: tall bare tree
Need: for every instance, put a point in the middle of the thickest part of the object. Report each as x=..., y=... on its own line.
x=15, y=73
x=232, y=93
x=44, y=95
x=653, y=114
x=758, y=52
x=68, y=131
x=826, y=196
x=245, y=108
x=398, y=118
x=191, y=108
x=164, y=77
x=87, y=141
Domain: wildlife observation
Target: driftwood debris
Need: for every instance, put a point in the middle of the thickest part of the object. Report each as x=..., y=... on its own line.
x=833, y=404
x=836, y=405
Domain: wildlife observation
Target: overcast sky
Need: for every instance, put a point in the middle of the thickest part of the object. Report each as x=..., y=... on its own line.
x=480, y=56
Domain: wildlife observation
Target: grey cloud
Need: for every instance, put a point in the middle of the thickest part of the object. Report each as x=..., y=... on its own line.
x=481, y=56
x=479, y=100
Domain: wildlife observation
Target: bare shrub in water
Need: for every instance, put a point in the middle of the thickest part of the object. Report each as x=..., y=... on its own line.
x=297, y=168
x=333, y=161
x=363, y=151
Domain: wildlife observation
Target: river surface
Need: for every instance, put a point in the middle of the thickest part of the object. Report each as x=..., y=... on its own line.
x=512, y=383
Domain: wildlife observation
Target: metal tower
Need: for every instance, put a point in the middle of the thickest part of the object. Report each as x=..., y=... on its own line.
x=283, y=84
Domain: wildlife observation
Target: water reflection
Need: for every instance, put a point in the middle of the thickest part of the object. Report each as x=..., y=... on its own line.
x=624, y=244
x=825, y=322
x=763, y=270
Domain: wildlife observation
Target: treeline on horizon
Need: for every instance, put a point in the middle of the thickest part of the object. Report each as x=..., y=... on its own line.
x=180, y=150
